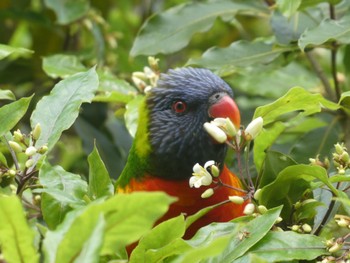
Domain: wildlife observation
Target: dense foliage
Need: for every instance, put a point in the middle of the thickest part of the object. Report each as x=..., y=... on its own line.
x=69, y=110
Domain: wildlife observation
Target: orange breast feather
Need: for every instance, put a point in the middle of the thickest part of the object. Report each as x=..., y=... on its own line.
x=189, y=199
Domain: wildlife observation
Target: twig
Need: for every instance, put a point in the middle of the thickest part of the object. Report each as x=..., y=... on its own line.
x=321, y=75
x=334, y=57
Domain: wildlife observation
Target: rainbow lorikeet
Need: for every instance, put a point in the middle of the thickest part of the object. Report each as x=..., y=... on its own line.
x=171, y=139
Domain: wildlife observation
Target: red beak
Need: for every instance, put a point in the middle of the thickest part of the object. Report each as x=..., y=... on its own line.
x=226, y=108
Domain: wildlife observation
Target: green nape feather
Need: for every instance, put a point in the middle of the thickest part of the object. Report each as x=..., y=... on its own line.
x=140, y=150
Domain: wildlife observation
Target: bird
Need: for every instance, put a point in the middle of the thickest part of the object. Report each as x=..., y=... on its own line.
x=170, y=140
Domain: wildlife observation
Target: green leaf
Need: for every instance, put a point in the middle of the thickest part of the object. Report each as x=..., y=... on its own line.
x=6, y=51
x=126, y=218
x=264, y=141
x=99, y=182
x=274, y=163
x=62, y=191
x=11, y=113
x=239, y=54
x=287, y=30
x=16, y=237
x=92, y=246
x=273, y=83
x=286, y=246
x=7, y=95
x=287, y=7
x=296, y=99
x=249, y=234
x=290, y=185
x=328, y=29
x=171, y=30
x=69, y=10
x=62, y=66
x=161, y=242
x=345, y=99
x=58, y=111
x=132, y=114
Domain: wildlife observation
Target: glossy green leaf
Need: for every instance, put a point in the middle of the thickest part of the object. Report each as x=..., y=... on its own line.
x=62, y=191
x=7, y=95
x=161, y=242
x=10, y=114
x=338, y=30
x=69, y=10
x=6, y=51
x=172, y=29
x=99, y=181
x=249, y=234
x=58, y=111
x=296, y=99
x=16, y=237
x=62, y=66
x=238, y=54
x=286, y=246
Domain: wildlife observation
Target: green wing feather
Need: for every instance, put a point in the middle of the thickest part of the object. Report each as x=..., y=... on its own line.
x=139, y=153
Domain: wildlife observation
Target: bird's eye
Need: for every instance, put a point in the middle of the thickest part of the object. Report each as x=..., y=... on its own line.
x=179, y=106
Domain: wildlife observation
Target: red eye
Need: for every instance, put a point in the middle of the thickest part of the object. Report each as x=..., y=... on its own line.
x=179, y=106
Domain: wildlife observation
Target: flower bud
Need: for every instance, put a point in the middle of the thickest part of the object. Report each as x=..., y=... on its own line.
x=336, y=247
x=262, y=209
x=139, y=74
x=249, y=209
x=12, y=172
x=36, y=131
x=214, y=170
x=30, y=151
x=278, y=220
x=257, y=194
x=43, y=149
x=339, y=148
x=236, y=199
x=13, y=188
x=207, y=193
x=18, y=136
x=215, y=132
x=153, y=62
x=306, y=228
x=15, y=146
x=295, y=228
x=139, y=83
x=253, y=129
x=345, y=157
x=342, y=222
x=29, y=163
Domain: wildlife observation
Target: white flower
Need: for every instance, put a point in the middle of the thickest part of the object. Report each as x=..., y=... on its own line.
x=253, y=129
x=215, y=132
x=200, y=175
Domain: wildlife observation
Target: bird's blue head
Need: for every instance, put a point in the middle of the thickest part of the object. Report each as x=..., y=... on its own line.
x=182, y=102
